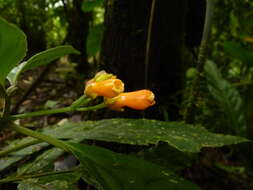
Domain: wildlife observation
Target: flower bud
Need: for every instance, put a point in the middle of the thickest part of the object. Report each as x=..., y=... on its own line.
x=108, y=88
x=138, y=100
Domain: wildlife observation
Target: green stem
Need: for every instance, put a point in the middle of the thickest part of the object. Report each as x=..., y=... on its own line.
x=20, y=178
x=92, y=108
x=7, y=105
x=83, y=100
x=54, y=111
x=41, y=113
x=42, y=137
x=18, y=147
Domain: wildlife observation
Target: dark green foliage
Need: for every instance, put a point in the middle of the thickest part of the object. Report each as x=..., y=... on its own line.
x=64, y=181
x=94, y=39
x=238, y=52
x=114, y=171
x=228, y=98
x=90, y=5
x=184, y=137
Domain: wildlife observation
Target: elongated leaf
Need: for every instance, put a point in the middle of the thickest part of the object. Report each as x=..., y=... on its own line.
x=228, y=98
x=13, y=47
x=66, y=131
x=94, y=39
x=239, y=52
x=114, y=171
x=42, y=161
x=42, y=58
x=65, y=181
x=184, y=137
x=15, y=72
x=19, y=155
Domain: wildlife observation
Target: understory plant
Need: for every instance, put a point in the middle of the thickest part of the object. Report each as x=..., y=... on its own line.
x=98, y=167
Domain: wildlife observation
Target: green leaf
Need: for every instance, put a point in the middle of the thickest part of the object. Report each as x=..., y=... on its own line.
x=228, y=98
x=15, y=72
x=14, y=157
x=64, y=181
x=239, y=52
x=42, y=161
x=94, y=39
x=168, y=157
x=184, y=137
x=66, y=131
x=13, y=47
x=114, y=171
x=42, y=58
x=90, y=5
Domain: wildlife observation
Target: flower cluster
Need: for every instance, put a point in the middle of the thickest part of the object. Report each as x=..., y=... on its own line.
x=112, y=89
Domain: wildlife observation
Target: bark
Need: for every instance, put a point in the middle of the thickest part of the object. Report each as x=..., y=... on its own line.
x=77, y=33
x=30, y=20
x=124, y=45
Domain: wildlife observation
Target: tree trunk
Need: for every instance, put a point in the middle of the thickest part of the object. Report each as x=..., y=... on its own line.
x=77, y=33
x=123, y=47
x=28, y=22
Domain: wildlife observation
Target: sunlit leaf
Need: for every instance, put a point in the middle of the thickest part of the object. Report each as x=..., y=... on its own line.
x=13, y=47
x=42, y=58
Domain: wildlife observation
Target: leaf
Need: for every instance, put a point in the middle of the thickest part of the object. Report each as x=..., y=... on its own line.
x=114, y=171
x=184, y=137
x=13, y=47
x=42, y=161
x=66, y=131
x=90, y=5
x=228, y=98
x=64, y=181
x=94, y=39
x=168, y=157
x=42, y=58
x=19, y=155
x=239, y=52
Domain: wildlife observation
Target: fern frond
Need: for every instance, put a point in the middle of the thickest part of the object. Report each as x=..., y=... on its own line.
x=228, y=97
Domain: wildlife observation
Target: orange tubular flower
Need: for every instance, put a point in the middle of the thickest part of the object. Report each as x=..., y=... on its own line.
x=138, y=100
x=108, y=88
